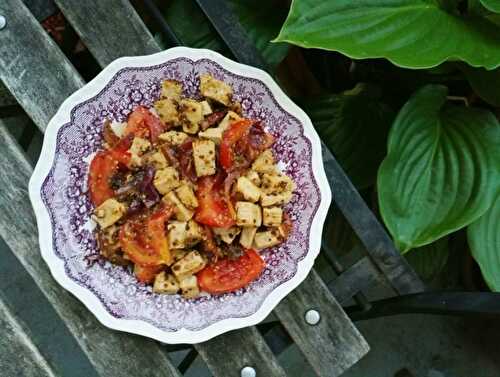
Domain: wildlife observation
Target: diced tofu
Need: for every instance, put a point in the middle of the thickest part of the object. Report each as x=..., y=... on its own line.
x=157, y=159
x=247, y=189
x=178, y=254
x=167, y=111
x=247, y=235
x=171, y=89
x=276, y=183
x=215, y=89
x=267, y=200
x=182, y=213
x=193, y=115
x=272, y=216
x=204, y=157
x=266, y=239
x=109, y=212
x=264, y=163
x=227, y=234
x=230, y=117
x=205, y=108
x=166, y=180
x=189, y=265
x=186, y=194
x=254, y=177
x=214, y=134
x=137, y=149
x=248, y=214
x=173, y=137
x=165, y=283
x=182, y=235
x=189, y=287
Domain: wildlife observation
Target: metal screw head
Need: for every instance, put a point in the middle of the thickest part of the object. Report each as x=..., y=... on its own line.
x=312, y=317
x=3, y=22
x=248, y=372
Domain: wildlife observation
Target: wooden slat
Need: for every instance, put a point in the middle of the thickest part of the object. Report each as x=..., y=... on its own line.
x=223, y=361
x=104, y=348
x=41, y=9
x=18, y=355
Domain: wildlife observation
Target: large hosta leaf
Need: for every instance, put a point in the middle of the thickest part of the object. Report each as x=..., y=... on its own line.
x=410, y=33
x=441, y=170
x=484, y=242
x=492, y=5
x=354, y=125
x=429, y=260
x=485, y=83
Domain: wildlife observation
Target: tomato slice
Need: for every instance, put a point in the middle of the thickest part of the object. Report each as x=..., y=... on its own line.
x=237, y=131
x=227, y=275
x=144, y=240
x=213, y=209
x=102, y=167
x=147, y=274
x=143, y=124
x=120, y=151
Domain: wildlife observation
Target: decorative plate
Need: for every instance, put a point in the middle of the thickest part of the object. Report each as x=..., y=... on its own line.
x=58, y=192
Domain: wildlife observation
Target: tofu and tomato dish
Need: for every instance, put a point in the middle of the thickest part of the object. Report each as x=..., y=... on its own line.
x=188, y=192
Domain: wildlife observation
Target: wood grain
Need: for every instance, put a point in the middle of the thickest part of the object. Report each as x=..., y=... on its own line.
x=19, y=357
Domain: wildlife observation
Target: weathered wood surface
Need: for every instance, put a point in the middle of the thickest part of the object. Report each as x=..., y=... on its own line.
x=236, y=353
x=334, y=344
x=19, y=357
x=41, y=9
x=105, y=348
x=31, y=65
x=360, y=276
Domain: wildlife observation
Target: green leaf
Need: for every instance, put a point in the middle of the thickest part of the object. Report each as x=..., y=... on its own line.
x=193, y=28
x=354, y=125
x=441, y=171
x=492, y=5
x=485, y=83
x=410, y=33
x=429, y=260
x=484, y=242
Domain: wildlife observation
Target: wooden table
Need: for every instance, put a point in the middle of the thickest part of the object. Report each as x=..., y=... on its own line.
x=40, y=77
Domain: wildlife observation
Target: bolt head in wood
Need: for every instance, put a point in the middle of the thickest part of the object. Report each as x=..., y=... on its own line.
x=312, y=317
x=3, y=22
x=248, y=372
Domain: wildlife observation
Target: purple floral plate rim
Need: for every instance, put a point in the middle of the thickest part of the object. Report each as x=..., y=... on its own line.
x=88, y=298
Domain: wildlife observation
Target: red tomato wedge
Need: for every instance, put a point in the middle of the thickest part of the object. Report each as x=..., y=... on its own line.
x=143, y=124
x=145, y=241
x=213, y=209
x=237, y=131
x=227, y=275
x=147, y=274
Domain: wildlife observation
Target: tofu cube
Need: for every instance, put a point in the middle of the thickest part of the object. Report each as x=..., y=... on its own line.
x=213, y=134
x=167, y=111
x=227, y=234
x=165, y=283
x=109, y=212
x=186, y=194
x=276, y=183
x=247, y=189
x=205, y=108
x=272, y=216
x=204, y=157
x=189, y=265
x=182, y=235
x=173, y=137
x=157, y=159
x=268, y=238
x=178, y=254
x=194, y=233
x=137, y=149
x=189, y=287
x=182, y=213
x=264, y=163
x=253, y=176
x=267, y=200
x=171, y=89
x=247, y=235
x=230, y=117
x=166, y=180
x=192, y=114
x=215, y=89
x=248, y=214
